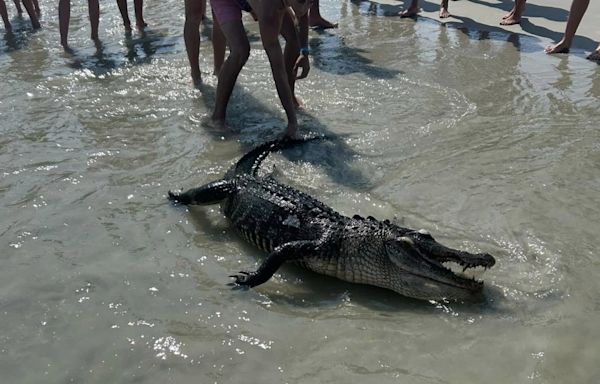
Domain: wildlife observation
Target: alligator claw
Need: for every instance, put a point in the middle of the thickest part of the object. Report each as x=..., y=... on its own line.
x=244, y=278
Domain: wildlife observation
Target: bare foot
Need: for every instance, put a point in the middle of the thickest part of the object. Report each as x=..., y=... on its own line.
x=141, y=24
x=321, y=23
x=196, y=77
x=560, y=47
x=594, y=56
x=511, y=20
x=410, y=12
x=509, y=14
x=444, y=13
x=68, y=50
x=290, y=132
x=197, y=83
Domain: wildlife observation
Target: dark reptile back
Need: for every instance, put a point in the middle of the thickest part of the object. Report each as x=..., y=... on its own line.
x=269, y=214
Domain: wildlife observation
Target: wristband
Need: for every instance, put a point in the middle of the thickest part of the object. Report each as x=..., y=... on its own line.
x=304, y=51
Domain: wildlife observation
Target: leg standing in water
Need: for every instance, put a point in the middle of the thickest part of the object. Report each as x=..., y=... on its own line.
x=219, y=45
x=315, y=18
x=578, y=8
x=36, y=5
x=194, y=11
x=272, y=20
x=413, y=9
x=33, y=14
x=4, y=14
x=64, y=17
x=32, y=8
x=138, y=6
x=18, y=5
x=515, y=14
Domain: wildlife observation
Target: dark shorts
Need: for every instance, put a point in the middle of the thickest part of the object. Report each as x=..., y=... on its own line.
x=229, y=10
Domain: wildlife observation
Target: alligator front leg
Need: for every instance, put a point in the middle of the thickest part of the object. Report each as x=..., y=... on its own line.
x=293, y=250
x=210, y=193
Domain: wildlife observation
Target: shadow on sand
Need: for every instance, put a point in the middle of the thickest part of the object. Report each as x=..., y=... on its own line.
x=140, y=50
x=19, y=37
x=331, y=54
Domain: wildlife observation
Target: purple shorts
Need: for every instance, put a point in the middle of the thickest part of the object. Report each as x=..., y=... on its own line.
x=229, y=10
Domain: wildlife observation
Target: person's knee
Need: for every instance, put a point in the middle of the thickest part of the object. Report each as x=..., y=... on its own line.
x=194, y=11
x=240, y=54
x=193, y=19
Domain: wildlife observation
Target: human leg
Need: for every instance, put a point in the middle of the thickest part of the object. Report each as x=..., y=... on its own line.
x=219, y=45
x=412, y=10
x=28, y=4
x=4, y=14
x=291, y=51
x=36, y=6
x=191, y=36
x=578, y=8
x=122, y=4
x=138, y=6
x=94, y=12
x=17, y=5
x=444, y=9
x=514, y=16
x=64, y=16
x=239, y=51
x=315, y=18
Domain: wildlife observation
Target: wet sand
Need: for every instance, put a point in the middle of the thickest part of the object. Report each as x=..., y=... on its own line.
x=543, y=19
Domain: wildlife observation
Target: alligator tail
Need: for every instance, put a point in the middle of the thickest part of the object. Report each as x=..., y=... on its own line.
x=251, y=161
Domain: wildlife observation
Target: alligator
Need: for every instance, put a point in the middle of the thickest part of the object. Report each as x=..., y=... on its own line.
x=293, y=226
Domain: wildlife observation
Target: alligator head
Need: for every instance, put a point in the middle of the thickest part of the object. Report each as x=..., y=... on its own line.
x=420, y=271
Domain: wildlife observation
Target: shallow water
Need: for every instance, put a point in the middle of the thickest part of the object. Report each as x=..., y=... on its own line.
x=476, y=136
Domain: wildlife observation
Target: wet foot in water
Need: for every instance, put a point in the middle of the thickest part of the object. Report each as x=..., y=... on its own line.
x=196, y=79
x=560, y=47
x=320, y=23
x=410, y=12
x=291, y=132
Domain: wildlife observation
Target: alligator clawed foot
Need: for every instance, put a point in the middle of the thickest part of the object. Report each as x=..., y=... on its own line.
x=178, y=197
x=244, y=278
x=174, y=196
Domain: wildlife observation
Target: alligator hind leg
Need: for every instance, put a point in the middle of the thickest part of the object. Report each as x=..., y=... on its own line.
x=210, y=193
x=293, y=250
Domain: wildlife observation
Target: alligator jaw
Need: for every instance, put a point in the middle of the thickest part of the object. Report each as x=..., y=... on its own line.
x=419, y=259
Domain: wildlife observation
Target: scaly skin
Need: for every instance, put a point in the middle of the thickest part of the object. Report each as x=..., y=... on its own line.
x=293, y=226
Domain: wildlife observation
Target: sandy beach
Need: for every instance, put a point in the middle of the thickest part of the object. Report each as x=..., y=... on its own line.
x=543, y=19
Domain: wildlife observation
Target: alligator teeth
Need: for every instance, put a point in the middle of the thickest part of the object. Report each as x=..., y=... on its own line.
x=465, y=271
